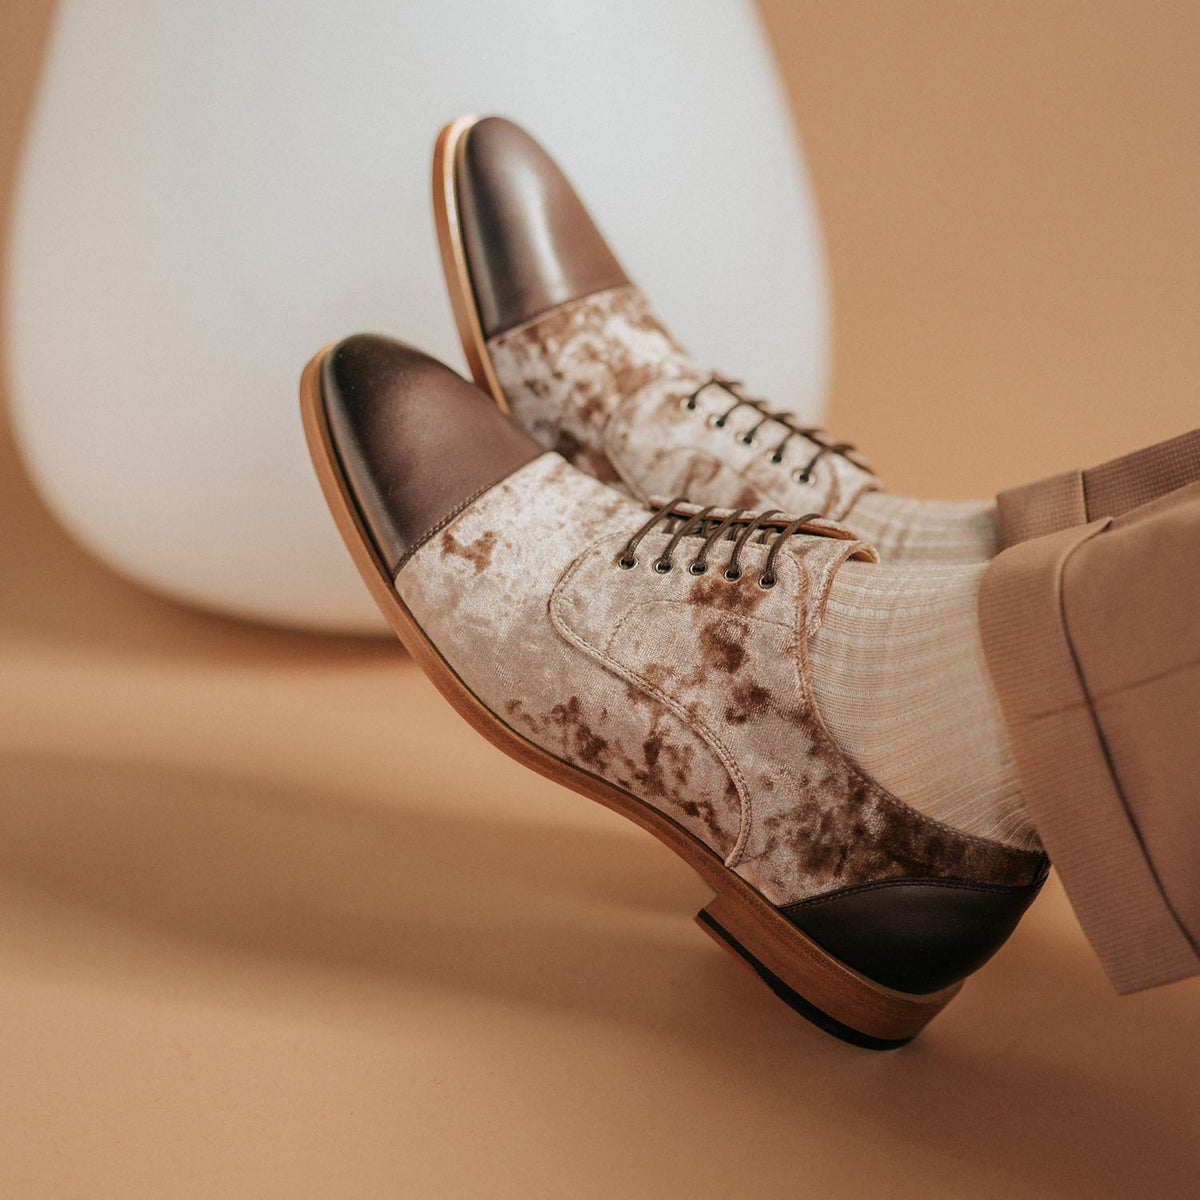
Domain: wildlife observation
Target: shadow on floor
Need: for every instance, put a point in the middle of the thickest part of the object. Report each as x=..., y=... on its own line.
x=1037, y=1066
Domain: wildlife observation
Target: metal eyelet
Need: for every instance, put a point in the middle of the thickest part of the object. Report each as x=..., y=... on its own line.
x=662, y=566
x=733, y=576
x=767, y=581
x=698, y=568
x=627, y=564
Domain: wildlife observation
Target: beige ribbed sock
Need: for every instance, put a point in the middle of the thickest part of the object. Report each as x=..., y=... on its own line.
x=906, y=530
x=899, y=678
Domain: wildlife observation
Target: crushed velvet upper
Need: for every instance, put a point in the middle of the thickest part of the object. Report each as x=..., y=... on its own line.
x=687, y=691
x=600, y=380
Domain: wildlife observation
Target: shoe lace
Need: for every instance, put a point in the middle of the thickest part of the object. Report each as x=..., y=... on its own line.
x=738, y=525
x=732, y=387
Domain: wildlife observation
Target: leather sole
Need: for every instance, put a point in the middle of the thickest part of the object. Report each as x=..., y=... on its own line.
x=446, y=152
x=818, y=986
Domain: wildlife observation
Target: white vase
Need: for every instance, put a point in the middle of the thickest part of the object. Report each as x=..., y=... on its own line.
x=211, y=192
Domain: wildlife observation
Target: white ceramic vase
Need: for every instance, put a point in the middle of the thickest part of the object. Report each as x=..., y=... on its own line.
x=212, y=192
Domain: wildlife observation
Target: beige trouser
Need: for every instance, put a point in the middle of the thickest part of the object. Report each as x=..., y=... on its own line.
x=1092, y=636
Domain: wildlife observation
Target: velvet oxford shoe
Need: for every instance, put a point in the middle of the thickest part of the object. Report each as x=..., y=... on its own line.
x=656, y=660
x=558, y=334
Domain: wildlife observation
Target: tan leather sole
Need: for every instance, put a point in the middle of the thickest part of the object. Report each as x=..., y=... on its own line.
x=818, y=986
x=454, y=259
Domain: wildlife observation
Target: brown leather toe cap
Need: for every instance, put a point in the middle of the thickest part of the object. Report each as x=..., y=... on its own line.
x=530, y=243
x=416, y=441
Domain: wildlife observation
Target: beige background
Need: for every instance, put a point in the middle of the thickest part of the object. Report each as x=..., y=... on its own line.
x=273, y=922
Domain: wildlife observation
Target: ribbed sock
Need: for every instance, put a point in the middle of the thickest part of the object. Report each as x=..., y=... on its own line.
x=906, y=530
x=899, y=678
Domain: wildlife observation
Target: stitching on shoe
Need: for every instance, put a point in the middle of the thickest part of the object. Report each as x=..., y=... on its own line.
x=555, y=309
x=796, y=631
x=962, y=885
x=674, y=603
x=837, y=501
x=701, y=727
x=601, y=436
x=798, y=655
x=800, y=664
x=454, y=514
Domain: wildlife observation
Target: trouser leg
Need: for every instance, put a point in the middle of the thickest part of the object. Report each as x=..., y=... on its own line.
x=1092, y=636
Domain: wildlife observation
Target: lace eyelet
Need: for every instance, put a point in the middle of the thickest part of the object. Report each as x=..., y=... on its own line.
x=661, y=566
x=626, y=564
x=747, y=439
x=698, y=568
x=767, y=581
x=689, y=403
x=775, y=457
x=716, y=422
x=802, y=477
x=733, y=576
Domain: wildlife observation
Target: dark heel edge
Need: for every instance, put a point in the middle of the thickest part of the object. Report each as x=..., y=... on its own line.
x=789, y=995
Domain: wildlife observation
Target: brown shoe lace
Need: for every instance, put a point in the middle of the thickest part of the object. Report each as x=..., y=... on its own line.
x=825, y=445
x=739, y=526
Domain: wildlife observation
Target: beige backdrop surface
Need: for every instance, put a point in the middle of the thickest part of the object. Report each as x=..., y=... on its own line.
x=1009, y=196
x=273, y=922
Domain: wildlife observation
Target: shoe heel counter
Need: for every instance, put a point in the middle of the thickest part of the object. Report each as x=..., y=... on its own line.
x=914, y=935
